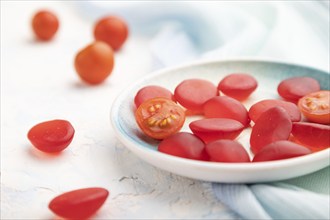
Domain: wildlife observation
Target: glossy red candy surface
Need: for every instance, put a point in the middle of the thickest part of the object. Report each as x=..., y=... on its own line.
x=226, y=107
x=79, y=204
x=184, y=145
x=227, y=151
x=150, y=92
x=280, y=150
x=193, y=93
x=238, y=85
x=315, y=136
x=272, y=125
x=295, y=88
x=51, y=136
x=260, y=107
x=212, y=129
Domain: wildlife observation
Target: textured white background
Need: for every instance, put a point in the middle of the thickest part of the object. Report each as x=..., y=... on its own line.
x=38, y=83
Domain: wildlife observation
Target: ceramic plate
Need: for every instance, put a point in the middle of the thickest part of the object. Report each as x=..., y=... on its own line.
x=268, y=75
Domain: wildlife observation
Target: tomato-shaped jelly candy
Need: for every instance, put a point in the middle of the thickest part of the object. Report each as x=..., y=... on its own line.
x=316, y=107
x=112, y=30
x=272, y=125
x=193, y=93
x=159, y=117
x=212, y=129
x=226, y=107
x=51, y=136
x=45, y=25
x=279, y=150
x=314, y=136
x=150, y=92
x=296, y=87
x=238, y=85
x=94, y=63
x=227, y=151
x=260, y=107
x=184, y=145
x=79, y=204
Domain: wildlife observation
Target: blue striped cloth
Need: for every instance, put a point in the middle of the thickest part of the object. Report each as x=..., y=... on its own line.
x=280, y=200
x=291, y=31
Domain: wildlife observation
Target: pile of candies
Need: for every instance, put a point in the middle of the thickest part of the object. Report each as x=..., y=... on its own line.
x=277, y=129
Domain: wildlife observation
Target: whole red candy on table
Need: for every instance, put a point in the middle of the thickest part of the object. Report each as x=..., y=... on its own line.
x=79, y=204
x=51, y=136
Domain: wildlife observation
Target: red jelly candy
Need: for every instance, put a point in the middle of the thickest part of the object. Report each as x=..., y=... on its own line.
x=226, y=107
x=273, y=125
x=150, y=92
x=238, y=85
x=51, y=136
x=260, y=107
x=296, y=87
x=184, y=145
x=79, y=204
x=315, y=136
x=193, y=93
x=279, y=150
x=227, y=151
x=212, y=129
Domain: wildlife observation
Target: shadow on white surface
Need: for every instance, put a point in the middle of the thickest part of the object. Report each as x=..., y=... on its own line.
x=79, y=84
x=41, y=155
x=35, y=41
